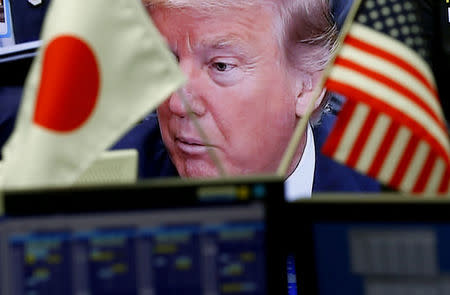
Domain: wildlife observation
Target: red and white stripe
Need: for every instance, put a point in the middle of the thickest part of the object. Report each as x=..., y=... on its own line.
x=394, y=130
x=374, y=144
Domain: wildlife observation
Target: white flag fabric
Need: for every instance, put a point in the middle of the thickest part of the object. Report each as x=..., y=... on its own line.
x=102, y=67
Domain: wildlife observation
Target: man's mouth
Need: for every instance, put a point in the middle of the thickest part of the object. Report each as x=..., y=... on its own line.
x=192, y=146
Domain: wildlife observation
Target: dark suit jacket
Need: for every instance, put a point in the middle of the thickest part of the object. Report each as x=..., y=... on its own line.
x=329, y=176
x=9, y=104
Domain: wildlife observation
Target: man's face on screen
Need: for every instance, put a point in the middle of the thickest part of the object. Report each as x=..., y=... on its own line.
x=238, y=89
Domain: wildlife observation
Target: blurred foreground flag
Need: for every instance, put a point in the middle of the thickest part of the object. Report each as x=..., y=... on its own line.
x=102, y=67
x=392, y=127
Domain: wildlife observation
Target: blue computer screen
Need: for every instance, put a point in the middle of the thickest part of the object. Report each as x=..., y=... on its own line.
x=179, y=251
x=382, y=258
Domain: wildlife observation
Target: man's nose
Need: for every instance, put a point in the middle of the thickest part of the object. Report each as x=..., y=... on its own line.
x=189, y=96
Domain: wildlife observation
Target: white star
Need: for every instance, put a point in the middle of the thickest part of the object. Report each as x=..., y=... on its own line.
x=394, y=33
x=408, y=5
x=419, y=41
x=412, y=17
x=385, y=11
x=370, y=4
x=362, y=18
x=397, y=8
x=409, y=41
x=374, y=14
x=401, y=19
x=390, y=22
x=405, y=30
x=378, y=25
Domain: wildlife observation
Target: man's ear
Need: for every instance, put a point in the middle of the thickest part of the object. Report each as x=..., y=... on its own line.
x=305, y=93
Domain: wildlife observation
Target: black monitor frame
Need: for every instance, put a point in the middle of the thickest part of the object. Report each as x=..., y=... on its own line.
x=354, y=208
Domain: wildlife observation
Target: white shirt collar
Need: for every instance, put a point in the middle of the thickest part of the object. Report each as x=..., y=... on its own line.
x=299, y=183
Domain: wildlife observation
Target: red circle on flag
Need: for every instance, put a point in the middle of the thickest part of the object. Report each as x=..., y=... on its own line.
x=69, y=87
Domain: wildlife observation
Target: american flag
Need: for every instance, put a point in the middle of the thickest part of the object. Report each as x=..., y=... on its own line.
x=392, y=127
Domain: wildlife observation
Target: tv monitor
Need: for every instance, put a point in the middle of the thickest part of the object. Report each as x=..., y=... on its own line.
x=371, y=245
x=157, y=237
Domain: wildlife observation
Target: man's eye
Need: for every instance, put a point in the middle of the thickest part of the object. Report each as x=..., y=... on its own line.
x=222, y=67
x=225, y=71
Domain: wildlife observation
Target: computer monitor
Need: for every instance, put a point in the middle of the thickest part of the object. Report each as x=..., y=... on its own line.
x=158, y=237
x=371, y=245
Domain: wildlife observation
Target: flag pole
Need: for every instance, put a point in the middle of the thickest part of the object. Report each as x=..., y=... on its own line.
x=202, y=134
x=302, y=123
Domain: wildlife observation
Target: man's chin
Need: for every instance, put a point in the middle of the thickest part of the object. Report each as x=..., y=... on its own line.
x=198, y=171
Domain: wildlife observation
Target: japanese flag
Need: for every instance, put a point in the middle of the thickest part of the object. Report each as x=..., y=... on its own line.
x=102, y=67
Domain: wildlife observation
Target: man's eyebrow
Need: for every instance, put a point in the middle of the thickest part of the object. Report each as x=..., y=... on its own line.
x=224, y=42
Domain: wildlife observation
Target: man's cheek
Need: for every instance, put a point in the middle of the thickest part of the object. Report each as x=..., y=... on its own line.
x=163, y=115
